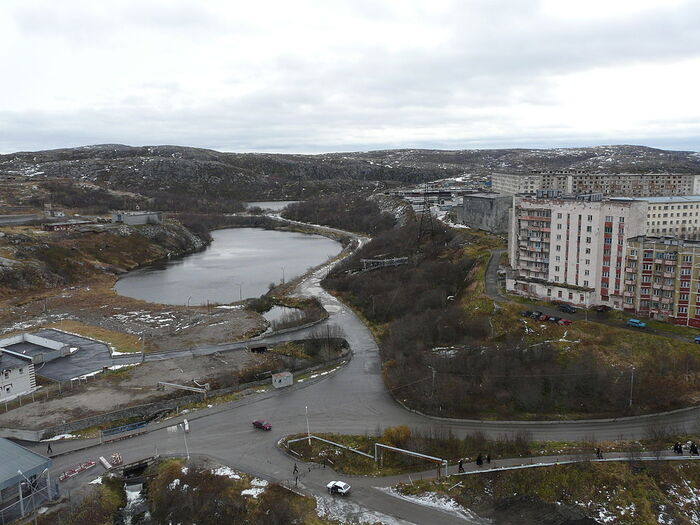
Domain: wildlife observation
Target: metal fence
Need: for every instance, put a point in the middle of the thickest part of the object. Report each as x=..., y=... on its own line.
x=31, y=500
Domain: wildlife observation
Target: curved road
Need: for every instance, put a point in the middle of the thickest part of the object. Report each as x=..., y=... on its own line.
x=351, y=400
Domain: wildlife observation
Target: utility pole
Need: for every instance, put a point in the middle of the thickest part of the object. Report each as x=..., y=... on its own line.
x=143, y=347
x=631, y=386
x=308, y=432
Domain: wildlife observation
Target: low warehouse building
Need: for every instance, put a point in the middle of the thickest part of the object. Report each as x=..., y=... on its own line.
x=24, y=481
x=487, y=211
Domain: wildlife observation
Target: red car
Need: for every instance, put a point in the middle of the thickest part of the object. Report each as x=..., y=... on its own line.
x=262, y=424
x=564, y=322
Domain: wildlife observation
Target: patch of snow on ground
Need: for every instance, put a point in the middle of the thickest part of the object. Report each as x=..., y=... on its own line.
x=346, y=511
x=230, y=307
x=226, y=471
x=96, y=481
x=433, y=500
x=60, y=436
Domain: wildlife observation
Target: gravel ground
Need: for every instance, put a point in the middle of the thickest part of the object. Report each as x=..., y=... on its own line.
x=135, y=385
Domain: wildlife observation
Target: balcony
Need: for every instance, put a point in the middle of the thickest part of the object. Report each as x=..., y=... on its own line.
x=630, y=269
x=666, y=300
x=656, y=286
x=668, y=287
x=669, y=263
x=669, y=275
x=628, y=294
x=631, y=257
x=630, y=282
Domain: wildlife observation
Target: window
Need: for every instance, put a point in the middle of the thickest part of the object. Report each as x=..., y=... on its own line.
x=608, y=218
x=585, y=283
x=559, y=293
x=571, y=295
x=683, y=297
x=558, y=215
x=558, y=248
x=685, y=284
x=549, y=292
x=586, y=272
x=589, y=229
x=558, y=236
x=587, y=261
x=590, y=218
x=622, y=219
x=682, y=309
x=557, y=258
x=588, y=251
x=556, y=268
x=687, y=258
x=588, y=240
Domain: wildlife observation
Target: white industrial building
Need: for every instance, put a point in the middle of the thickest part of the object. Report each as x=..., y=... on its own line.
x=572, y=248
x=133, y=218
x=17, y=376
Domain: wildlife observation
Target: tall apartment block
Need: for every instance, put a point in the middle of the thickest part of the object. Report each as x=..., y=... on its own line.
x=612, y=184
x=661, y=279
x=572, y=248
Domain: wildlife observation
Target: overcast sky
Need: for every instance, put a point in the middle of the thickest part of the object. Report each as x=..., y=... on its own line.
x=333, y=75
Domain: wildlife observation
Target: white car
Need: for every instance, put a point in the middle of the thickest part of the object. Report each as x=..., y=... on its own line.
x=338, y=487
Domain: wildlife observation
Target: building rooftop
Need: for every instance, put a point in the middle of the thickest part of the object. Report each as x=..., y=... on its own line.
x=16, y=458
x=670, y=241
x=489, y=195
x=9, y=361
x=671, y=199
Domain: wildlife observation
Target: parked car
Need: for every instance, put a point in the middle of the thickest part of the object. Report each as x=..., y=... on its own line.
x=262, y=424
x=535, y=314
x=602, y=308
x=567, y=308
x=697, y=340
x=526, y=313
x=554, y=319
x=564, y=322
x=636, y=323
x=543, y=317
x=338, y=487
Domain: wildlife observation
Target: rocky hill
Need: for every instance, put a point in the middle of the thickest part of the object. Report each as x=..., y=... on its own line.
x=171, y=173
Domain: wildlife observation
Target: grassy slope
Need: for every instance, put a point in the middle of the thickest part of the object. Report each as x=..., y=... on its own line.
x=620, y=493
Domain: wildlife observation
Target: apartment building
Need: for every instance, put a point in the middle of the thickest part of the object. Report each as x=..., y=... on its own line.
x=661, y=279
x=612, y=184
x=572, y=248
x=677, y=216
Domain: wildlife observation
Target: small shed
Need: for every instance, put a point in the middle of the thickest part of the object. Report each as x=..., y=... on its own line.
x=282, y=379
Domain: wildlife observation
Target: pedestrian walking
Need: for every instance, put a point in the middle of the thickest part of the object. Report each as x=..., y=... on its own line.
x=296, y=469
x=296, y=481
x=694, y=449
x=479, y=460
x=460, y=466
x=49, y=450
x=488, y=458
x=598, y=453
x=678, y=448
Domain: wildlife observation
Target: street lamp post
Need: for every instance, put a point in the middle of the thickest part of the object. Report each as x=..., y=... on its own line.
x=240, y=291
x=631, y=386
x=31, y=493
x=282, y=267
x=308, y=432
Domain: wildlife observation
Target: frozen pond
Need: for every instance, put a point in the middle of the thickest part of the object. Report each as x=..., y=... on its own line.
x=239, y=263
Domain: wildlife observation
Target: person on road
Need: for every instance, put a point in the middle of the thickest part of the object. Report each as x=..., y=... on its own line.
x=598, y=453
x=488, y=459
x=49, y=450
x=694, y=449
x=296, y=469
x=460, y=466
x=479, y=460
x=678, y=448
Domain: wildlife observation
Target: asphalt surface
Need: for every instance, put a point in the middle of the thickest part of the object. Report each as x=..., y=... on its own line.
x=352, y=400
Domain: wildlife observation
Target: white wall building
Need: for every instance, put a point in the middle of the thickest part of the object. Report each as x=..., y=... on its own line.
x=677, y=216
x=613, y=184
x=17, y=375
x=572, y=248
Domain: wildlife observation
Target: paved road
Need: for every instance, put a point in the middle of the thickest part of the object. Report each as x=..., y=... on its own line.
x=351, y=400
